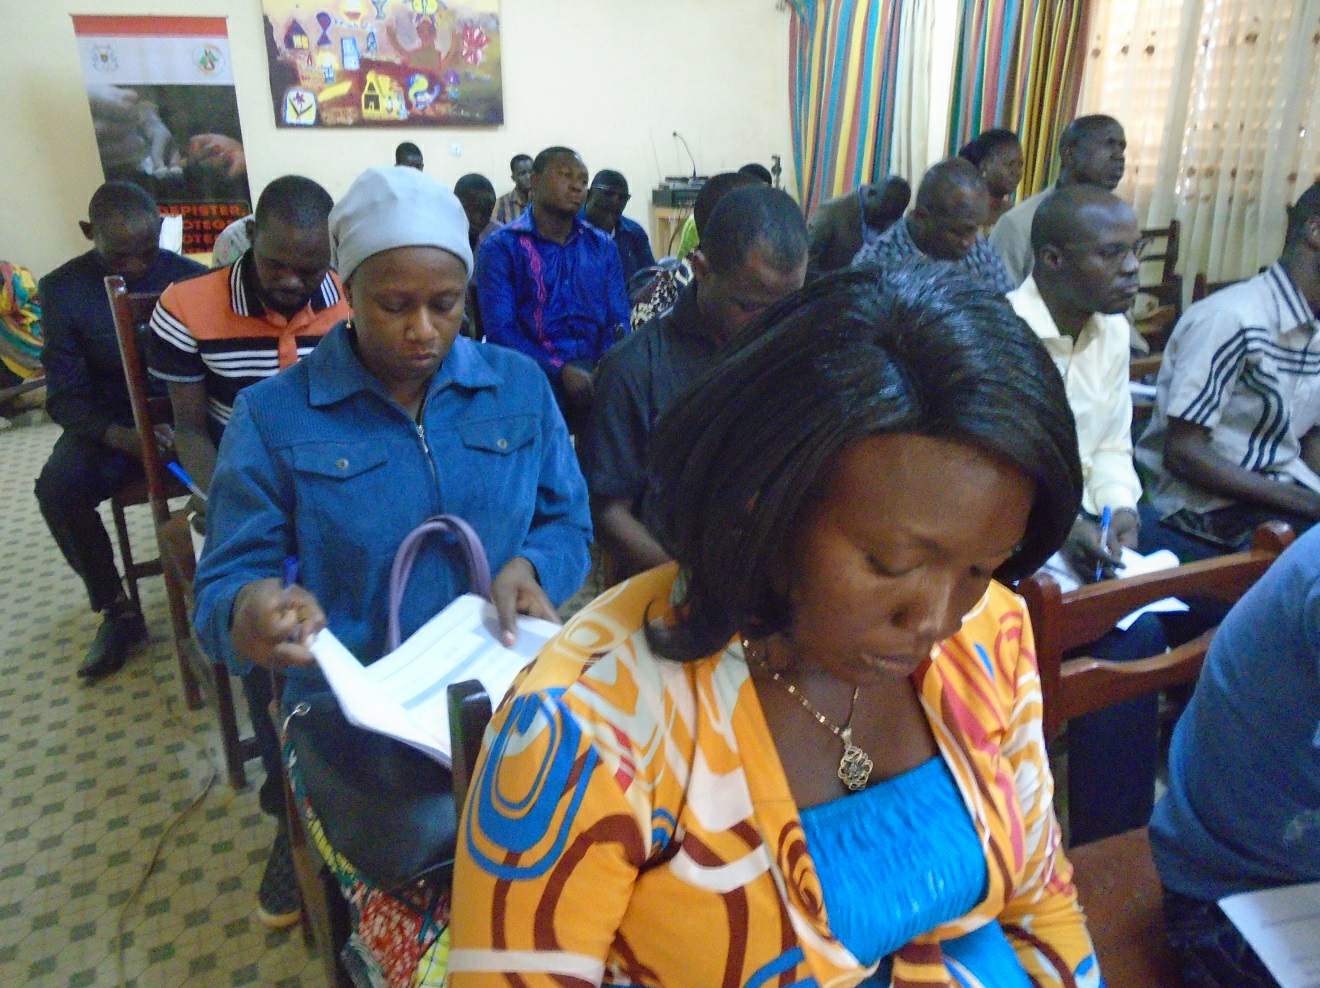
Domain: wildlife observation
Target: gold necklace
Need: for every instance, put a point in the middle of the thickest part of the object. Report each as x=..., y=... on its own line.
x=855, y=765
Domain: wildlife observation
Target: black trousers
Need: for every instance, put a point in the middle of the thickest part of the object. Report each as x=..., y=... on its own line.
x=80, y=474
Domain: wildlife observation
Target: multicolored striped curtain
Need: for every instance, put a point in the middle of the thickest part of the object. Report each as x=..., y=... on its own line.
x=841, y=83
x=1020, y=66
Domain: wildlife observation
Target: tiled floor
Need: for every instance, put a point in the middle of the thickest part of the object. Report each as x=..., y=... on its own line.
x=94, y=778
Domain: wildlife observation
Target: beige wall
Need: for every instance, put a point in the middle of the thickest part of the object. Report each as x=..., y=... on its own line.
x=612, y=78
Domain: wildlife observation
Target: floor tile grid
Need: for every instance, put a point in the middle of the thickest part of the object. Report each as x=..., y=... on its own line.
x=92, y=776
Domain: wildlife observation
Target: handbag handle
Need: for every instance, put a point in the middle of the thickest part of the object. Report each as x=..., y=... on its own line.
x=474, y=554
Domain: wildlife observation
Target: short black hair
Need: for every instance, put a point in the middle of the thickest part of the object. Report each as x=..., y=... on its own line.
x=987, y=143
x=715, y=189
x=1305, y=209
x=513, y=162
x=542, y=160
x=755, y=217
x=296, y=201
x=1083, y=127
x=608, y=178
x=918, y=349
x=405, y=150
x=944, y=177
x=120, y=200
x=758, y=171
x=473, y=182
x=1059, y=216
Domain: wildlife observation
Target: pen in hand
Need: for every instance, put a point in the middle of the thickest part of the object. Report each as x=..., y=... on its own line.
x=290, y=577
x=187, y=481
x=1106, y=516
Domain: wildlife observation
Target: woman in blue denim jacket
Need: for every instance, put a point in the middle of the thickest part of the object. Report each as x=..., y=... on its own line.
x=393, y=418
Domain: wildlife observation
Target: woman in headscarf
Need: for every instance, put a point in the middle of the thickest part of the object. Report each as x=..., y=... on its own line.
x=393, y=418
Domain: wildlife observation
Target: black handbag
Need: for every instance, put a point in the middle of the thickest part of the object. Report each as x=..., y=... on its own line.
x=383, y=805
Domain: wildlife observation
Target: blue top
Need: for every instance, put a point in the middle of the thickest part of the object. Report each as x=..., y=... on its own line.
x=923, y=865
x=557, y=303
x=85, y=386
x=633, y=244
x=318, y=462
x=1243, y=807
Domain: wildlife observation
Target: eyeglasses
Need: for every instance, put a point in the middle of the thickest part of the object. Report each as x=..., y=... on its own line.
x=1116, y=253
x=612, y=192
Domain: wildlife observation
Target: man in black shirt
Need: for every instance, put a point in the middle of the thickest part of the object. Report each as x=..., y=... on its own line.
x=87, y=394
x=753, y=253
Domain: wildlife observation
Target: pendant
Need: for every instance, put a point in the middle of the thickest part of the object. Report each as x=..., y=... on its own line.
x=855, y=765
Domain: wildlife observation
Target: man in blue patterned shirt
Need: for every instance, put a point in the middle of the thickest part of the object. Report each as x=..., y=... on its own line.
x=944, y=226
x=550, y=285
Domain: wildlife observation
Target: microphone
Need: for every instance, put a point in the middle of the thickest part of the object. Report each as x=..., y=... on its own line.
x=679, y=137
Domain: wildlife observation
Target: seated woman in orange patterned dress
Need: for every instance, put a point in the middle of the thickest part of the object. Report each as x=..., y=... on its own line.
x=810, y=751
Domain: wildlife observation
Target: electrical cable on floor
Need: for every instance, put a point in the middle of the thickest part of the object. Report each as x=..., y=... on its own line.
x=208, y=754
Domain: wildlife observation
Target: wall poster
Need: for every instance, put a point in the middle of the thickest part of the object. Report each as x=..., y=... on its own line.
x=162, y=96
x=353, y=63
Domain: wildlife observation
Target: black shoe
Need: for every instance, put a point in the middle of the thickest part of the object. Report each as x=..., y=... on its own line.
x=278, y=902
x=114, y=640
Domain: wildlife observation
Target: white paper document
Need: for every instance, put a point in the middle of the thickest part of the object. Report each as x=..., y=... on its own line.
x=1134, y=564
x=404, y=694
x=1283, y=927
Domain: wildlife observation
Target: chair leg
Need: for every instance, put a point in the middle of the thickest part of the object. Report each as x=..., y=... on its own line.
x=317, y=917
x=229, y=738
x=125, y=552
x=182, y=628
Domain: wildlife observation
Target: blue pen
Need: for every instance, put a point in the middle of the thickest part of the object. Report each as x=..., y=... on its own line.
x=182, y=474
x=1106, y=516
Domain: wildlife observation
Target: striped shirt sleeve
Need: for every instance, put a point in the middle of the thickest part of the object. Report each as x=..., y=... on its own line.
x=1209, y=351
x=172, y=352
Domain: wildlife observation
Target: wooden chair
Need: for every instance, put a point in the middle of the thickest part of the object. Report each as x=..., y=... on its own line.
x=176, y=561
x=1201, y=287
x=1115, y=877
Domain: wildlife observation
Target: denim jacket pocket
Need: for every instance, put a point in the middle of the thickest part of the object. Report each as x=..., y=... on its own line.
x=501, y=435
x=340, y=461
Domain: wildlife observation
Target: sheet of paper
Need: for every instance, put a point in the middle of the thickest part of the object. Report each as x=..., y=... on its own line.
x=1283, y=927
x=1134, y=564
x=404, y=694
x=458, y=643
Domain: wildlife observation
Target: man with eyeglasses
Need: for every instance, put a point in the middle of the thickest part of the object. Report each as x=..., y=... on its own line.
x=1235, y=436
x=606, y=199
x=1087, y=248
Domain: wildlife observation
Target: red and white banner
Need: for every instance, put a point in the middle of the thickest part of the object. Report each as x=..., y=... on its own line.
x=162, y=96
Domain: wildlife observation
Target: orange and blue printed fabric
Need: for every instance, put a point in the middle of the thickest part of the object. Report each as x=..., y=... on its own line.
x=629, y=821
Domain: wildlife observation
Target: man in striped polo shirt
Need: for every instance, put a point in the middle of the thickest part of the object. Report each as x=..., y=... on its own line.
x=1235, y=437
x=213, y=335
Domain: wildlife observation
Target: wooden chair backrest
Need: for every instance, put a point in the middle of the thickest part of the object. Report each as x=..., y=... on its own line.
x=1201, y=287
x=1164, y=248
x=132, y=311
x=1063, y=622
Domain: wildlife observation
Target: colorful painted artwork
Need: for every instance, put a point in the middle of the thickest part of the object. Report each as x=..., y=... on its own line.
x=353, y=63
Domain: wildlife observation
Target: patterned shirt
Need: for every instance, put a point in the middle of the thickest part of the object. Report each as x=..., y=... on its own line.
x=509, y=207
x=629, y=821
x=657, y=298
x=896, y=247
x=556, y=303
x=214, y=329
x=1245, y=364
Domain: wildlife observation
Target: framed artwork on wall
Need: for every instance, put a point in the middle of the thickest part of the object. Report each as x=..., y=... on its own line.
x=355, y=63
